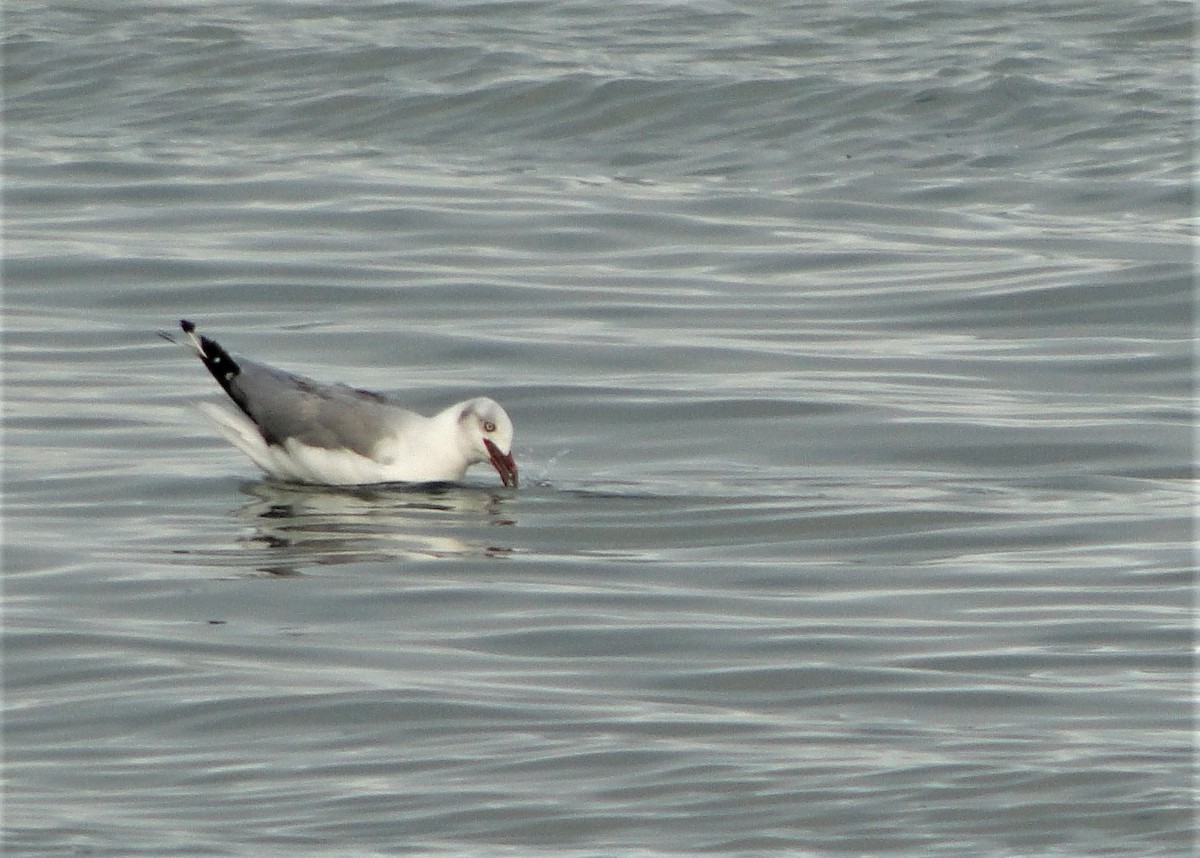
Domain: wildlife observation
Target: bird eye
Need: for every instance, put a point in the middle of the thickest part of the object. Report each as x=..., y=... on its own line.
x=489, y=426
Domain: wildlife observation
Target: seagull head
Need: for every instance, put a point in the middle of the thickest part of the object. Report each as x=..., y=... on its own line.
x=487, y=433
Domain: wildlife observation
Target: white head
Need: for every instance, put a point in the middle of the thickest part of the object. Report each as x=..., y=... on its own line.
x=486, y=433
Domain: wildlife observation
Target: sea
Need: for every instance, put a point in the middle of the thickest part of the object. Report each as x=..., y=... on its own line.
x=851, y=351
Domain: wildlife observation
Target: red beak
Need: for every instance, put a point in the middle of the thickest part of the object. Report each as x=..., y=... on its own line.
x=506, y=466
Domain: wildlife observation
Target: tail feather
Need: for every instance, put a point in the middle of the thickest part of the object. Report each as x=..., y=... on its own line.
x=239, y=431
x=193, y=342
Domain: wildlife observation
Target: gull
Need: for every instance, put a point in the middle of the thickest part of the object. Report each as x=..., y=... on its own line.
x=301, y=430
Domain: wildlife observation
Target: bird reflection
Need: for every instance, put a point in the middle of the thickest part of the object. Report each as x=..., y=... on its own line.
x=298, y=526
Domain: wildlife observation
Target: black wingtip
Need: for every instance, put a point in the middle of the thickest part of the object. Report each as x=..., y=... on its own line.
x=218, y=361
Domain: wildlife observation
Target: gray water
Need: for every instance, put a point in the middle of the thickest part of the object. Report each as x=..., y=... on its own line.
x=849, y=348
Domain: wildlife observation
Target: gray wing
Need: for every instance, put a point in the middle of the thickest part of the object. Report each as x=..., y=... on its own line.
x=334, y=416
x=284, y=405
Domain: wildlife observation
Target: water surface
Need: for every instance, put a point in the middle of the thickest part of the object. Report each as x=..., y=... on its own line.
x=850, y=353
